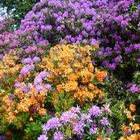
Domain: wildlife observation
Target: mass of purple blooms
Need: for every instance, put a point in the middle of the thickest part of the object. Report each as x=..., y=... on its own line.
x=78, y=123
x=112, y=24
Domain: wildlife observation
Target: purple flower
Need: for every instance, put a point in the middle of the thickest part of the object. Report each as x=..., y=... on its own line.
x=78, y=128
x=104, y=121
x=85, y=117
x=105, y=63
x=112, y=66
x=128, y=50
x=43, y=74
x=94, y=42
x=58, y=136
x=39, y=78
x=93, y=131
x=48, y=87
x=100, y=53
x=1, y=56
x=36, y=59
x=75, y=109
x=66, y=117
x=11, y=96
x=2, y=138
x=95, y=111
x=27, y=61
x=117, y=59
x=26, y=89
x=138, y=60
x=26, y=69
x=39, y=88
x=134, y=88
x=17, y=85
x=52, y=123
x=42, y=137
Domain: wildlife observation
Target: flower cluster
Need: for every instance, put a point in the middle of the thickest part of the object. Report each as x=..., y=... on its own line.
x=76, y=123
x=25, y=97
x=70, y=70
x=89, y=22
x=134, y=87
x=132, y=130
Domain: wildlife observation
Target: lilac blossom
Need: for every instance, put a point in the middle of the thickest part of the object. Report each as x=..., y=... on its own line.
x=42, y=137
x=95, y=111
x=58, y=136
x=104, y=121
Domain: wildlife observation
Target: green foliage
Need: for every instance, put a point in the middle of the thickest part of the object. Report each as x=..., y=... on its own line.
x=18, y=8
x=34, y=129
x=63, y=103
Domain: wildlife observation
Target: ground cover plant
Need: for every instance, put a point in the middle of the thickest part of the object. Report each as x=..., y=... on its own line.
x=71, y=71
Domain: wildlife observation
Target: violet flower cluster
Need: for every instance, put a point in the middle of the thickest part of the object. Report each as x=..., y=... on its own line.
x=89, y=22
x=78, y=123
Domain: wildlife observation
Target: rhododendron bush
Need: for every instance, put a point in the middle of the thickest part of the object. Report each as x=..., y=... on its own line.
x=71, y=71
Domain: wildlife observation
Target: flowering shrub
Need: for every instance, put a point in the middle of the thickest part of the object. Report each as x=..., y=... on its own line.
x=67, y=71
x=114, y=24
x=71, y=71
x=25, y=101
x=75, y=123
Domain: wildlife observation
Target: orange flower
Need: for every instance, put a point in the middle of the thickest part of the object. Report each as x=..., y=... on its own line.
x=90, y=67
x=91, y=86
x=133, y=137
x=72, y=77
x=8, y=133
x=136, y=127
x=70, y=86
x=125, y=128
x=129, y=116
x=42, y=111
x=101, y=75
x=59, y=88
x=132, y=107
x=100, y=138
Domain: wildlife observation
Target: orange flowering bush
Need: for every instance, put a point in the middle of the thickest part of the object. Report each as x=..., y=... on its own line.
x=71, y=71
x=19, y=97
x=25, y=100
x=132, y=130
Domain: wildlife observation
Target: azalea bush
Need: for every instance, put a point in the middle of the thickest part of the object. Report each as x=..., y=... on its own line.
x=71, y=72
x=63, y=78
